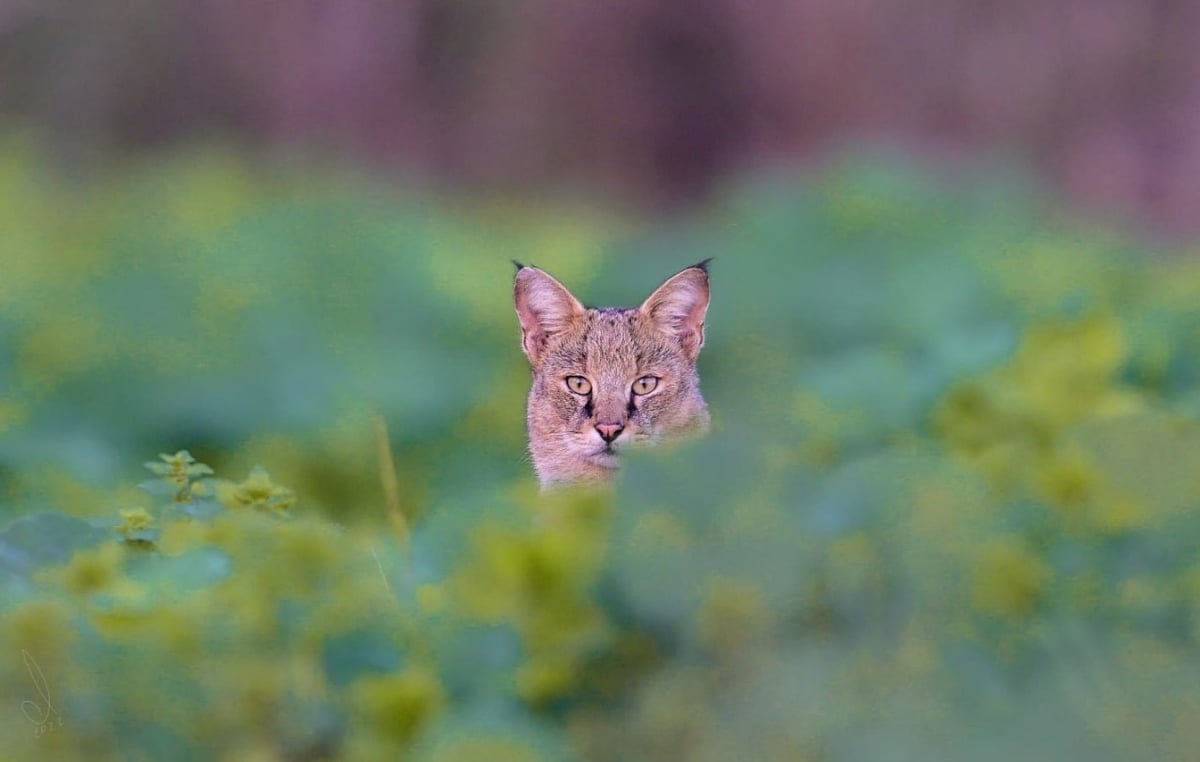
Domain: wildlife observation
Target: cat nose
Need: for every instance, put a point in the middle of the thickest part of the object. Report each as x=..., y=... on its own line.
x=610, y=431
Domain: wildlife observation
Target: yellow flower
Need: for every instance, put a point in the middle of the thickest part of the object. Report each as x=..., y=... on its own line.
x=134, y=520
x=1067, y=480
x=181, y=465
x=547, y=677
x=178, y=470
x=399, y=706
x=93, y=570
x=256, y=491
x=41, y=625
x=1009, y=581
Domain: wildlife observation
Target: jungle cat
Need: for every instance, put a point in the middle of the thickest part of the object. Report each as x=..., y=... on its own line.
x=609, y=378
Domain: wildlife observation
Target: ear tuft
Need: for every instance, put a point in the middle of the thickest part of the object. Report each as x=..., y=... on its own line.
x=545, y=308
x=677, y=307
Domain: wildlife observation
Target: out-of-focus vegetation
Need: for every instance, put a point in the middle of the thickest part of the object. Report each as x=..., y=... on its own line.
x=947, y=511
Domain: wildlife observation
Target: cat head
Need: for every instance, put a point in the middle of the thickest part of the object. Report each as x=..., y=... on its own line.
x=606, y=379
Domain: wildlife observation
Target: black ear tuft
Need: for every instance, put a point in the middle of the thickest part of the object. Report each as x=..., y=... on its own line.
x=703, y=265
x=520, y=266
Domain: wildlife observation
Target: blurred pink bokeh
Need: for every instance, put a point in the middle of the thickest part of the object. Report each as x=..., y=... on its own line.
x=654, y=100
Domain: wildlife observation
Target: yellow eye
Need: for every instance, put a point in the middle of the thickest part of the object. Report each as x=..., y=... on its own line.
x=645, y=385
x=579, y=385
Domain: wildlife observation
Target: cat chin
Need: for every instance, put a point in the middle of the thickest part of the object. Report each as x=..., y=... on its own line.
x=604, y=459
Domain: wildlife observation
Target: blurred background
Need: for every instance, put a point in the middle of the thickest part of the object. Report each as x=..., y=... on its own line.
x=642, y=100
x=949, y=506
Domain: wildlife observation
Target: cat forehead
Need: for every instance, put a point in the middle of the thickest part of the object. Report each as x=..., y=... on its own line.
x=611, y=317
x=612, y=337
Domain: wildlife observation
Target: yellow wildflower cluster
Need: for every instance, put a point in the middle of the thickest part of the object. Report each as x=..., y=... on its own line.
x=1011, y=422
x=1009, y=580
x=538, y=579
x=134, y=520
x=256, y=492
x=179, y=469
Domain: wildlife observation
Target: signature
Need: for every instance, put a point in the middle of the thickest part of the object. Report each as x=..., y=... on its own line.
x=45, y=719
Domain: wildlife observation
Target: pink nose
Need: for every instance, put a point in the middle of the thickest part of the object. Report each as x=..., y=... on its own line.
x=609, y=431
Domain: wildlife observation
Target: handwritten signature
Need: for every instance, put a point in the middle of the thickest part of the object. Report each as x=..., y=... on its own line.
x=45, y=719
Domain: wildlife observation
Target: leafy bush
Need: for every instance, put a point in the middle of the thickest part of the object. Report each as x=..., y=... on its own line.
x=948, y=509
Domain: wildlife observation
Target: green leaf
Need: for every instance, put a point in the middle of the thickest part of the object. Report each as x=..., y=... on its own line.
x=45, y=539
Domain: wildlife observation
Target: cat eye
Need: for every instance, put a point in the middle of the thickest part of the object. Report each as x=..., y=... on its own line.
x=579, y=385
x=645, y=385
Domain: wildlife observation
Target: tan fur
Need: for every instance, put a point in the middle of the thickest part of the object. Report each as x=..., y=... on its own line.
x=612, y=348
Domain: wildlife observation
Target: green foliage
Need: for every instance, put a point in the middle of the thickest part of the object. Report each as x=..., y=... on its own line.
x=947, y=511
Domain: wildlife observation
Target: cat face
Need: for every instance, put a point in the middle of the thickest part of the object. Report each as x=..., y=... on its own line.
x=608, y=379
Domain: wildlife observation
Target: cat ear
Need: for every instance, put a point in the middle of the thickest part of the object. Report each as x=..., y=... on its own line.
x=545, y=308
x=677, y=307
